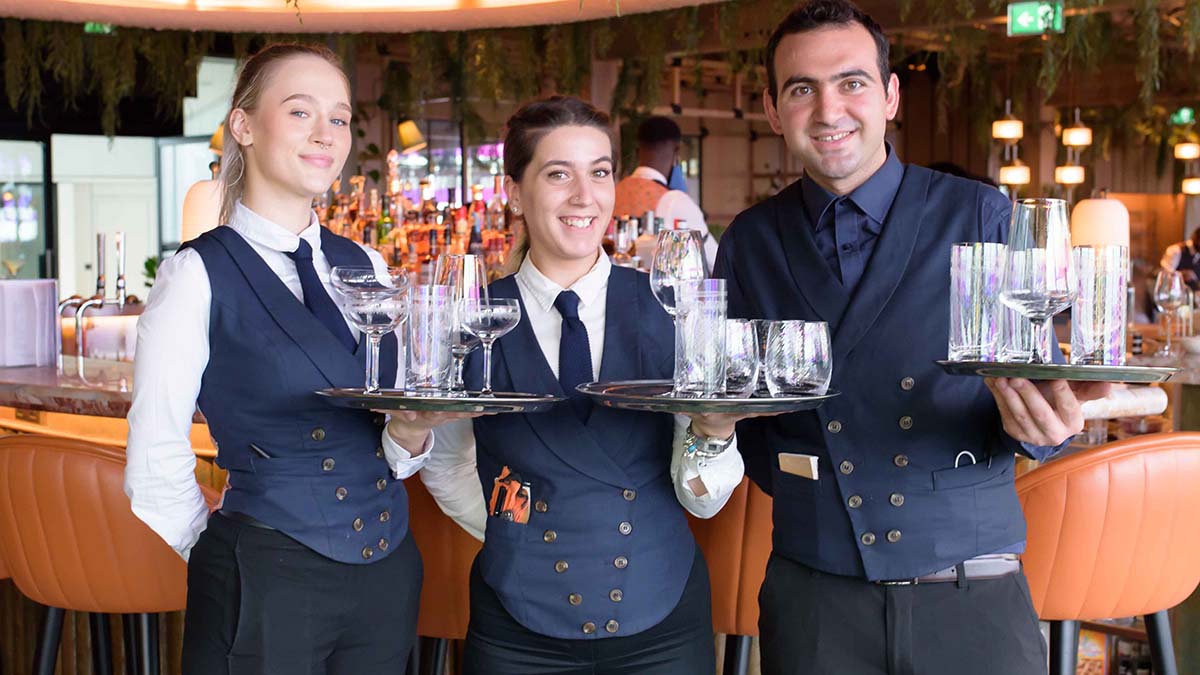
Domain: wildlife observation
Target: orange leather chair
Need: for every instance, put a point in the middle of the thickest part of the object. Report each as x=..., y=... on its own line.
x=447, y=552
x=72, y=543
x=736, y=544
x=1114, y=532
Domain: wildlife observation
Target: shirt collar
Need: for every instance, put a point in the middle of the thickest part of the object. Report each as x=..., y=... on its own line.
x=272, y=235
x=874, y=197
x=649, y=174
x=590, y=287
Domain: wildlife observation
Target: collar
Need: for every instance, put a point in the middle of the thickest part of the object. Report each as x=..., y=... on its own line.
x=270, y=234
x=590, y=288
x=874, y=197
x=649, y=174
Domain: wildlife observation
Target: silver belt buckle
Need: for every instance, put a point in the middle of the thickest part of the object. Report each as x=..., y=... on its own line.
x=901, y=582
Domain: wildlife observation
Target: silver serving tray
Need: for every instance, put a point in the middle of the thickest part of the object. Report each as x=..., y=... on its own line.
x=1059, y=371
x=472, y=402
x=655, y=396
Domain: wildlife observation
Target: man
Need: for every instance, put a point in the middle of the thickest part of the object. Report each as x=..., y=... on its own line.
x=1184, y=257
x=898, y=555
x=646, y=189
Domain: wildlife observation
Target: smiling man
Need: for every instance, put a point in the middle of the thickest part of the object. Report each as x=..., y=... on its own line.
x=898, y=555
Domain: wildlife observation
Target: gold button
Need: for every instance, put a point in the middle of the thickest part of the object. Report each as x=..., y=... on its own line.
x=893, y=536
x=834, y=426
x=381, y=484
x=379, y=452
x=561, y=566
x=318, y=434
x=540, y=506
x=383, y=544
x=575, y=599
x=896, y=499
x=868, y=538
x=907, y=384
x=385, y=516
x=621, y=562
x=900, y=461
x=629, y=494
x=615, y=595
x=367, y=553
x=846, y=467
x=612, y=626
x=340, y=493
x=358, y=524
x=327, y=464
x=854, y=502
x=625, y=528
x=906, y=422
x=550, y=536
x=589, y=628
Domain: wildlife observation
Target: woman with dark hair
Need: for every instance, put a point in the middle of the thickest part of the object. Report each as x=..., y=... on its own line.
x=601, y=574
x=308, y=567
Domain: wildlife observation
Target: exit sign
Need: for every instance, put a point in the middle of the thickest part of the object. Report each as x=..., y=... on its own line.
x=1034, y=18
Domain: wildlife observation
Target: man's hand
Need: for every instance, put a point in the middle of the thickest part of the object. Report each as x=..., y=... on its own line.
x=1044, y=413
x=410, y=428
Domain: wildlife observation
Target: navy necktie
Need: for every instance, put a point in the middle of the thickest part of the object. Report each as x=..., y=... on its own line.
x=574, y=353
x=317, y=300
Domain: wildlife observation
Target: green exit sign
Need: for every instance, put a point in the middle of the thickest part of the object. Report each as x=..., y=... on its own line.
x=93, y=28
x=1034, y=18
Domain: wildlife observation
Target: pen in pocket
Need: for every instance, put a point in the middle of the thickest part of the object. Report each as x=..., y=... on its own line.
x=260, y=451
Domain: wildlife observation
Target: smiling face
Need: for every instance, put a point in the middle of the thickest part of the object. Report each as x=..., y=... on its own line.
x=296, y=139
x=832, y=107
x=566, y=197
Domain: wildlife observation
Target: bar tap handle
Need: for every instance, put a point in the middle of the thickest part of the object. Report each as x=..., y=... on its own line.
x=101, y=282
x=120, y=241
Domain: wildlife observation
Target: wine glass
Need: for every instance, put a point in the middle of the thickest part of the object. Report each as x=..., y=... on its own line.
x=1039, y=277
x=1170, y=293
x=626, y=233
x=490, y=320
x=467, y=278
x=679, y=257
x=376, y=302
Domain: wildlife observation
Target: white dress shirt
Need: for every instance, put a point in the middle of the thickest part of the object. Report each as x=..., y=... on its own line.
x=172, y=354
x=676, y=205
x=450, y=474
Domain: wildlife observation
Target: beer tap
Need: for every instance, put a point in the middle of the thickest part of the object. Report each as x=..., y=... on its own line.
x=99, y=300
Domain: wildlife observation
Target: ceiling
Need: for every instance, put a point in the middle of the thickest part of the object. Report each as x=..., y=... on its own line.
x=329, y=16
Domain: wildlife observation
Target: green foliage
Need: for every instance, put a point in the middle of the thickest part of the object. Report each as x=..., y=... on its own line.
x=150, y=270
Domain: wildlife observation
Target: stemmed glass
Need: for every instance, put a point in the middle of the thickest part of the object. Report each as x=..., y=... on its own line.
x=1039, y=277
x=467, y=278
x=626, y=234
x=490, y=320
x=678, y=258
x=376, y=302
x=1170, y=293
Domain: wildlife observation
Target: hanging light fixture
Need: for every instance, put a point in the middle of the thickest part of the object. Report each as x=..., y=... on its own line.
x=1069, y=174
x=1008, y=128
x=1077, y=135
x=1191, y=186
x=410, y=137
x=1187, y=151
x=1015, y=173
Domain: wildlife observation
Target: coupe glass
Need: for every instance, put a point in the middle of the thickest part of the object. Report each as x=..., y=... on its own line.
x=466, y=276
x=490, y=320
x=1170, y=293
x=376, y=302
x=678, y=258
x=1039, y=275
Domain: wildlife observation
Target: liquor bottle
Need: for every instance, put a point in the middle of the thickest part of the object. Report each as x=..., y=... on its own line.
x=497, y=209
x=647, y=241
x=370, y=220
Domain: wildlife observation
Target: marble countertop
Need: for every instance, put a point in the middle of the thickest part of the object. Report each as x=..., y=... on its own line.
x=82, y=387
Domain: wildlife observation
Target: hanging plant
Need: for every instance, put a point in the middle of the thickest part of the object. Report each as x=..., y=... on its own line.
x=1149, y=43
x=16, y=68
x=114, y=68
x=65, y=61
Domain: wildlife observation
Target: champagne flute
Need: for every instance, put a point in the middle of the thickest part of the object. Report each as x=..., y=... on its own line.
x=467, y=278
x=376, y=302
x=678, y=258
x=1039, y=276
x=1170, y=293
x=490, y=320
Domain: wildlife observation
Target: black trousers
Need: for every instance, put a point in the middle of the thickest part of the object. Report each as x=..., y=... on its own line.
x=680, y=644
x=261, y=603
x=817, y=623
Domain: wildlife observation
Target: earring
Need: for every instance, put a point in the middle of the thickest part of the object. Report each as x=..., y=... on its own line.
x=516, y=210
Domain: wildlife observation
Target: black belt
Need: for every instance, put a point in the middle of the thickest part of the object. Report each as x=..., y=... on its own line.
x=990, y=566
x=245, y=519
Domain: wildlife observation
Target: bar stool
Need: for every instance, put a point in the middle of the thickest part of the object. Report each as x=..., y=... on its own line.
x=73, y=543
x=1114, y=532
x=447, y=552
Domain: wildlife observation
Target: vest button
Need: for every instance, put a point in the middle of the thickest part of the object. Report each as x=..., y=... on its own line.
x=900, y=461
x=625, y=528
x=846, y=467
x=550, y=536
x=621, y=562
x=318, y=434
x=327, y=464
x=615, y=595
x=906, y=423
x=541, y=506
x=867, y=538
x=854, y=502
x=340, y=493
x=385, y=516
x=358, y=525
x=893, y=536
x=589, y=628
x=612, y=626
x=383, y=544
x=907, y=384
x=367, y=552
x=575, y=599
x=834, y=426
x=381, y=484
x=629, y=494
x=896, y=499
x=561, y=566
x=379, y=452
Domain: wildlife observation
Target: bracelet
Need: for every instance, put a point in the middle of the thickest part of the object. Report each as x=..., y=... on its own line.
x=703, y=446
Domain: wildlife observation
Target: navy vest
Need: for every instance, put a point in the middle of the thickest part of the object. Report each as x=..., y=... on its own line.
x=326, y=483
x=607, y=544
x=892, y=438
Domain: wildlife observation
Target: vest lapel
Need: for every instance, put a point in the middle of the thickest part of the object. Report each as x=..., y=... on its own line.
x=810, y=273
x=622, y=349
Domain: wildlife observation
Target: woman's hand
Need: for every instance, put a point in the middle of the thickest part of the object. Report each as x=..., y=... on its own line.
x=719, y=425
x=410, y=428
